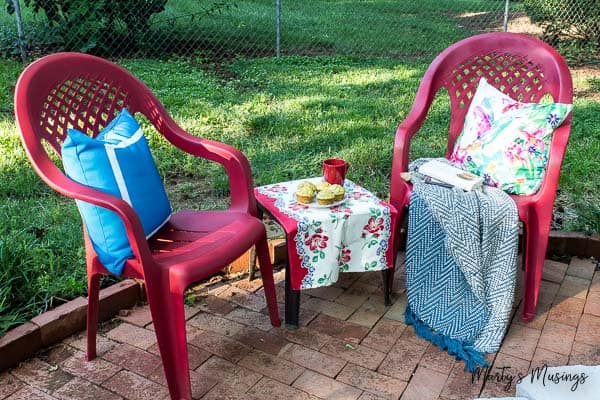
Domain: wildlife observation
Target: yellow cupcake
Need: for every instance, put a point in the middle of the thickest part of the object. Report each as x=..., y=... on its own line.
x=322, y=185
x=325, y=197
x=308, y=184
x=305, y=194
x=338, y=191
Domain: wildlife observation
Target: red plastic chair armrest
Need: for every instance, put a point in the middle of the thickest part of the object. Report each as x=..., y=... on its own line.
x=133, y=226
x=412, y=123
x=234, y=161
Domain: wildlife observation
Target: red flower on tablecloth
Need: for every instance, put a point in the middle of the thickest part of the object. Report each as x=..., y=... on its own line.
x=276, y=188
x=374, y=226
x=342, y=209
x=344, y=258
x=316, y=242
x=297, y=206
x=356, y=195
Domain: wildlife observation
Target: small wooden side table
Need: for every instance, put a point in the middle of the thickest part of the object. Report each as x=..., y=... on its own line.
x=356, y=235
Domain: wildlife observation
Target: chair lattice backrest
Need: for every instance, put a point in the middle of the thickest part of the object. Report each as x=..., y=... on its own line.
x=85, y=94
x=519, y=68
x=512, y=74
x=84, y=103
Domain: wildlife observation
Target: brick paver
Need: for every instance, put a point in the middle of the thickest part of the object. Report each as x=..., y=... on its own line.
x=557, y=337
x=225, y=392
x=588, y=330
x=103, y=344
x=136, y=360
x=384, y=334
x=567, y=310
x=215, y=305
x=249, y=317
x=585, y=354
x=261, y=340
x=461, y=385
x=554, y=271
x=331, y=308
x=349, y=346
x=229, y=374
x=272, y=389
x=437, y=360
x=304, y=336
x=403, y=358
x=326, y=293
x=520, y=341
x=426, y=384
x=97, y=370
x=592, y=303
x=356, y=295
x=354, y=353
x=41, y=375
x=547, y=357
x=135, y=387
x=80, y=389
x=220, y=345
x=326, y=364
x=139, y=316
x=132, y=335
x=573, y=286
x=369, y=312
x=243, y=298
x=196, y=356
x=372, y=382
x=396, y=311
x=338, y=328
x=501, y=378
x=8, y=385
x=29, y=393
x=273, y=367
x=547, y=293
x=324, y=387
x=582, y=268
x=215, y=323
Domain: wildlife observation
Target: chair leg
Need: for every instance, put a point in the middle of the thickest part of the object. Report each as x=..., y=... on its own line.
x=266, y=274
x=92, y=315
x=169, y=325
x=536, y=242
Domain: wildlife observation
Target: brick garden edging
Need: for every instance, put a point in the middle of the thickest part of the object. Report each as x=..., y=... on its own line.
x=575, y=244
x=51, y=327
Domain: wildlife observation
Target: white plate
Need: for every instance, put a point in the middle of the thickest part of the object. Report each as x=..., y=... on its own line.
x=314, y=204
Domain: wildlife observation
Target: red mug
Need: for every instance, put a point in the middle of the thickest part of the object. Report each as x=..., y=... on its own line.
x=334, y=170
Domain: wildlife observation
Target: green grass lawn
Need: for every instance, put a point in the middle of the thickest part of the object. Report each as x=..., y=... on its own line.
x=376, y=27
x=286, y=115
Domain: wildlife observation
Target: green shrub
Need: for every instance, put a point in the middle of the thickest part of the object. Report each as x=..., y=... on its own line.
x=95, y=26
x=574, y=23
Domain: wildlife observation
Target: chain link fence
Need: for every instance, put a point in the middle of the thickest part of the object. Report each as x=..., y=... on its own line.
x=214, y=29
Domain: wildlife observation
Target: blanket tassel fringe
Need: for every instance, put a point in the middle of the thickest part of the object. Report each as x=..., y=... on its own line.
x=461, y=350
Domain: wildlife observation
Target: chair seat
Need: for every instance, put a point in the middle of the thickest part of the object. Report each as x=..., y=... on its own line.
x=212, y=238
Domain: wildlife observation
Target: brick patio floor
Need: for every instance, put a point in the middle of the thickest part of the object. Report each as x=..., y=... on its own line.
x=349, y=347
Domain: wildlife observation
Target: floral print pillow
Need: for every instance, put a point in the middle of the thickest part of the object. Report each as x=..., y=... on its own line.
x=506, y=141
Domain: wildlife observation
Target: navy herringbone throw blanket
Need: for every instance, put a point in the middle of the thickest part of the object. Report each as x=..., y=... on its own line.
x=460, y=267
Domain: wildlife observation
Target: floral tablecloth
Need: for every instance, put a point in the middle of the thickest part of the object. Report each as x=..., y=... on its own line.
x=354, y=236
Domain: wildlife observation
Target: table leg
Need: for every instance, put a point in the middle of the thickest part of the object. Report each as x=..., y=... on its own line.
x=292, y=301
x=388, y=281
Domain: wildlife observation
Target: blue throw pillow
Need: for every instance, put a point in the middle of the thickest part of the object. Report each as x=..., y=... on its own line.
x=118, y=161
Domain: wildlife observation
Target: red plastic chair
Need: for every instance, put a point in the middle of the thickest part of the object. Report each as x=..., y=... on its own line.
x=71, y=89
x=526, y=69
